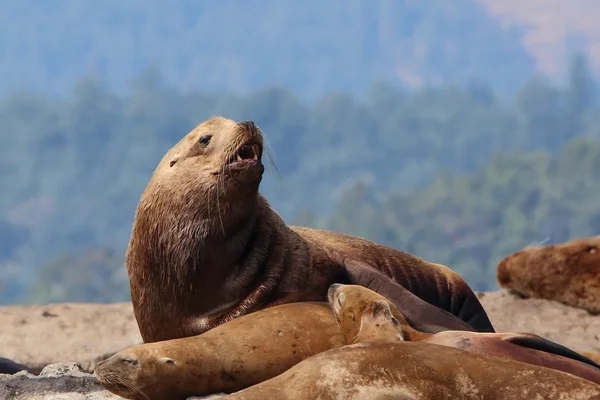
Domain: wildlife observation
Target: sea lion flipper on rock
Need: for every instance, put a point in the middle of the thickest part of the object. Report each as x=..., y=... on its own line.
x=424, y=316
x=539, y=343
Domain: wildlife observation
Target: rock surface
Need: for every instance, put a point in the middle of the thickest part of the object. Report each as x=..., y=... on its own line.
x=36, y=336
x=76, y=336
x=572, y=327
x=64, y=381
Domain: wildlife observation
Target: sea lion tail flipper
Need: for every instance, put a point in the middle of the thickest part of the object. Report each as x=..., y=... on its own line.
x=420, y=314
x=539, y=343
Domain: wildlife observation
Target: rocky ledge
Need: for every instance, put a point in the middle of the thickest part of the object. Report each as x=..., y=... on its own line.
x=61, y=381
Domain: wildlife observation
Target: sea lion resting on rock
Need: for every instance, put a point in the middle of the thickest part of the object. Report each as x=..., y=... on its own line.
x=234, y=355
x=377, y=368
x=349, y=303
x=206, y=247
x=239, y=353
x=229, y=357
x=567, y=272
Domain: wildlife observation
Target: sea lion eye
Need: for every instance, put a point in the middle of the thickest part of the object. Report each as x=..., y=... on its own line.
x=205, y=140
x=394, y=321
x=167, y=360
x=130, y=361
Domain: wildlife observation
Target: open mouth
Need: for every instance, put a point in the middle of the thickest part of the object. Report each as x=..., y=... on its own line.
x=248, y=152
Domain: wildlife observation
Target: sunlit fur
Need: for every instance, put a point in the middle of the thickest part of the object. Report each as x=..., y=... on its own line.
x=567, y=272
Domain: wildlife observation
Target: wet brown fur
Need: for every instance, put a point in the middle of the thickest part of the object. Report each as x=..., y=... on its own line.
x=505, y=345
x=206, y=247
x=416, y=370
x=567, y=272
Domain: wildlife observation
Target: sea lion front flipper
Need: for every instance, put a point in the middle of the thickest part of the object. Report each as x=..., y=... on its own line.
x=539, y=343
x=421, y=315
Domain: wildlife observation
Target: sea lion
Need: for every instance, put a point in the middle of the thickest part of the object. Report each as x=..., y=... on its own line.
x=206, y=247
x=10, y=367
x=232, y=356
x=567, y=272
x=349, y=302
x=416, y=370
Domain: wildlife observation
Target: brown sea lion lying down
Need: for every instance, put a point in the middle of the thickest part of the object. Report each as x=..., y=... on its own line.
x=239, y=353
x=232, y=356
x=349, y=303
x=377, y=368
x=206, y=247
x=242, y=352
x=567, y=272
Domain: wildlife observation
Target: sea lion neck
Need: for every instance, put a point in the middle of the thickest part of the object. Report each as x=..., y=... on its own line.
x=191, y=267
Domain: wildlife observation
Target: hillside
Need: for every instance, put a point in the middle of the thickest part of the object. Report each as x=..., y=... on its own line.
x=312, y=47
x=452, y=174
x=553, y=29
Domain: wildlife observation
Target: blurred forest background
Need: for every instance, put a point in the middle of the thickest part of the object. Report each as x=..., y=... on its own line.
x=459, y=131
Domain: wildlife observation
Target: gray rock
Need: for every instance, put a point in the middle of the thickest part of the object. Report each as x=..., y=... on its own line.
x=62, y=381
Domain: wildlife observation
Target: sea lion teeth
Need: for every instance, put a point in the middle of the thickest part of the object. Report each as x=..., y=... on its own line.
x=247, y=152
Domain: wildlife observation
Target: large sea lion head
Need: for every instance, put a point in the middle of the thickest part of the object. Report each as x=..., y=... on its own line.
x=134, y=373
x=349, y=303
x=215, y=168
x=567, y=272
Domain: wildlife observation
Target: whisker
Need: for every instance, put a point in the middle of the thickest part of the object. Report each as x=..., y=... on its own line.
x=538, y=243
x=208, y=207
x=130, y=385
x=271, y=158
x=219, y=194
